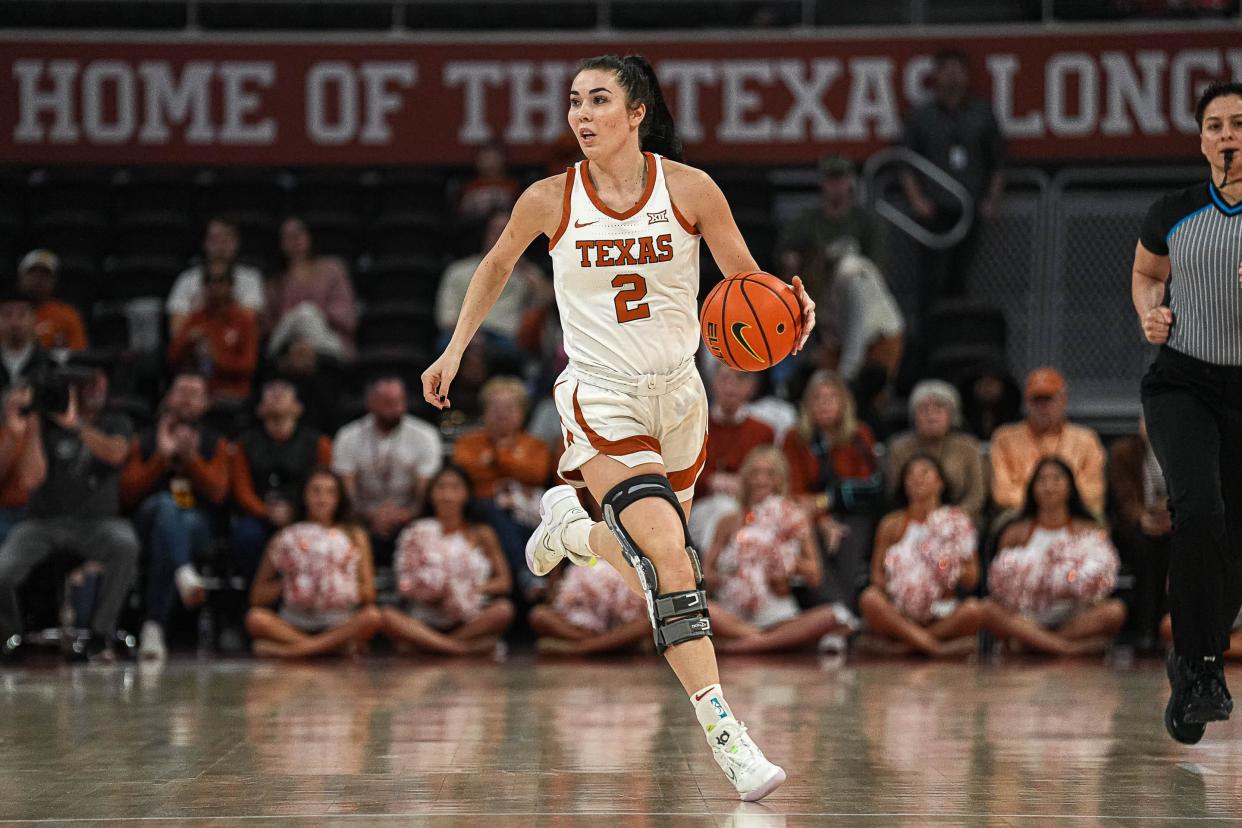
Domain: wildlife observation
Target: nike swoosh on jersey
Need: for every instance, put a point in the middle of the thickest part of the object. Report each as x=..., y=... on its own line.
x=739, y=330
x=581, y=224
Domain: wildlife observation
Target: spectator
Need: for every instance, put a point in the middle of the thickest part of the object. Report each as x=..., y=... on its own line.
x=23, y=466
x=839, y=250
x=452, y=575
x=20, y=354
x=269, y=471
x=76, y=509
x=1142, y=525
x=925, y=553
x=805, y=242
x=321, y=570
x=1018, y=447
x=312, y=298
x=220, y=245
x=935, y=410
x=526, y=283
x=317, y=380
x=508, y=468
x=991, y=398
x=492, y=188
x=220, y=340
x=58, y=325
x=177, y=473
x=760, y=552
x=958, y=133
x=1050, y=583
x=834, y=468
x=731, y=435
x=386, y=459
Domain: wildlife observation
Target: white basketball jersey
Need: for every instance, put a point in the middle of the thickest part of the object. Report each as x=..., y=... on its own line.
x=626, y=283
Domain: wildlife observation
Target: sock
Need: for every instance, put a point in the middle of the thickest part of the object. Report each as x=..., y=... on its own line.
x=187, y=579
x=710, y=706
x=577, y=536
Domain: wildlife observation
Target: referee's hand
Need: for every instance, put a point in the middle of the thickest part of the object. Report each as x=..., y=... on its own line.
x=1156, y=325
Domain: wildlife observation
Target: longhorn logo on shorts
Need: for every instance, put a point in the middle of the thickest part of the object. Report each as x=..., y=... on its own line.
x=739, y=330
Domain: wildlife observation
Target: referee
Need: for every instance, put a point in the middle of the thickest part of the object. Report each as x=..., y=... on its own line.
x=1191, y=251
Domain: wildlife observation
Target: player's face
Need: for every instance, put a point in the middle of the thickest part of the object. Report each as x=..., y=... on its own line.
x=1222, y=130
x=922, y=481
x=599, y=113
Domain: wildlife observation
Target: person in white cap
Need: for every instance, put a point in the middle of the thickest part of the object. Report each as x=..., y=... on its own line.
x=58, y=325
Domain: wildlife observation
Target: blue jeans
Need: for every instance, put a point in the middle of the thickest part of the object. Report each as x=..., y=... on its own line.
x=10, y=518
x=173, y=535
x=250, y=537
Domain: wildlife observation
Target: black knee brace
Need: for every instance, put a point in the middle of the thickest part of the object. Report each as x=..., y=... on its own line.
x=675, y=616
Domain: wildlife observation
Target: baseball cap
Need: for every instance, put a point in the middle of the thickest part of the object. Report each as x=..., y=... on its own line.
x=832, y=166
x=39, y=258
x=1044, y=382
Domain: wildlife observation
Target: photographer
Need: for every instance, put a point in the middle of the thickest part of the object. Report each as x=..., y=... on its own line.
x=177, y=472
x=22, y=465
x=76, y=508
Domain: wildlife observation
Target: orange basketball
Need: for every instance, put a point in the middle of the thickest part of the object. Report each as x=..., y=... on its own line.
x=751, y=321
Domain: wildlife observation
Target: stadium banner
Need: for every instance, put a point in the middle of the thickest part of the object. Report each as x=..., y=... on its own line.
x=1058, y=94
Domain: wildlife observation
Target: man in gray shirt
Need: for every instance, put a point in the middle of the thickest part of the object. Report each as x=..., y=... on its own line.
x=75, y=509
x=958, y=133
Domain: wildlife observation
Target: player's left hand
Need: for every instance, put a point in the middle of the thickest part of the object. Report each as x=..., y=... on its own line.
x=808, y=312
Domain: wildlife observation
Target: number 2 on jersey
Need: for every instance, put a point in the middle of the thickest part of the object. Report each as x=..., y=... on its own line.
x=629, y=301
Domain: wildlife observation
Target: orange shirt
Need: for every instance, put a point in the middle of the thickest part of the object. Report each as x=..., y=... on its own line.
x=728, y=443
x=526, y=459
x=1017, y=450
x=232, y=334
x=59, y=325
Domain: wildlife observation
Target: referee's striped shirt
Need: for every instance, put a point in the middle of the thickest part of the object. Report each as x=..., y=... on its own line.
x=1202, y=236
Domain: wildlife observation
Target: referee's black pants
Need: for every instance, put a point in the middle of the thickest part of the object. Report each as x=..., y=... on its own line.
x=1194, y=421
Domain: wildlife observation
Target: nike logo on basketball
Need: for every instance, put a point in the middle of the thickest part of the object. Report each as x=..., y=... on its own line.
x=581, y=224
x=739, y=329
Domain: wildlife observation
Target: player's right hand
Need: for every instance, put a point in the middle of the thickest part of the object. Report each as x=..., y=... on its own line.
x=1156, y=325
x=437, y=379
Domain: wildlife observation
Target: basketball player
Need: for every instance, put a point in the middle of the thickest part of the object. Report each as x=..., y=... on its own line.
x=1191, y=250
x=624, y=230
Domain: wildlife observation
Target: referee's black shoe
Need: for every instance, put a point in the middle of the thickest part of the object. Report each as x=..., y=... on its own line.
x=1181, y=680
x=1209, y=699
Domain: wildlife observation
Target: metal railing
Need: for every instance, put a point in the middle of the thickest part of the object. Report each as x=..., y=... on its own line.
x=898, y=159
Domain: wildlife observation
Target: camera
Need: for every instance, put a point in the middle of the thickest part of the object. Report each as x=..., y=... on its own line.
x=50, y=383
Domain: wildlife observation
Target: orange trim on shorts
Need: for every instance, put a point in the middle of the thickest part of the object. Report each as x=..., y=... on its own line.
x=685, y=478
x=570, y=172
x=613, y=448
x=640, y=204
x=685, y=225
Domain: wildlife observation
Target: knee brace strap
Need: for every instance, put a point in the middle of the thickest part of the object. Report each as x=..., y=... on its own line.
x=675, y=616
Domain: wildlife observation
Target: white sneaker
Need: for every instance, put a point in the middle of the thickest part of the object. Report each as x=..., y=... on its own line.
x=152, y=647
x=190, y=586
x=742, y=760
x=546, y=548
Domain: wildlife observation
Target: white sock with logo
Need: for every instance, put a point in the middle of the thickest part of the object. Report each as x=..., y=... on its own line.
x=710, y=706
x=577, y=536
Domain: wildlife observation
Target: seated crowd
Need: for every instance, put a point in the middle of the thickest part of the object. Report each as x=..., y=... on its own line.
x=339, y=531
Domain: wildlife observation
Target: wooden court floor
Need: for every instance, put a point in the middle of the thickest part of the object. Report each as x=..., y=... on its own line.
x=540, y=742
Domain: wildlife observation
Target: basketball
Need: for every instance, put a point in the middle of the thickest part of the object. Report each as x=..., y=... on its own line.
x=751, y=321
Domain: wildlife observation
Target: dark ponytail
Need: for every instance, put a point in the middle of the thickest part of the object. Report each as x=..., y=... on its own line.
x=657, y=133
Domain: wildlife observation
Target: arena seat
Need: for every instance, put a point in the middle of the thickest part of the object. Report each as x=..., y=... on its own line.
x=70, y=232
x=140, y=275
x=396, y=325
x=407, y=233
x=242, y=193
x=399, y=279
x=965, y=323
x=157, y=232
x=406, y=363
x=334, y=233
x=403, y=190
